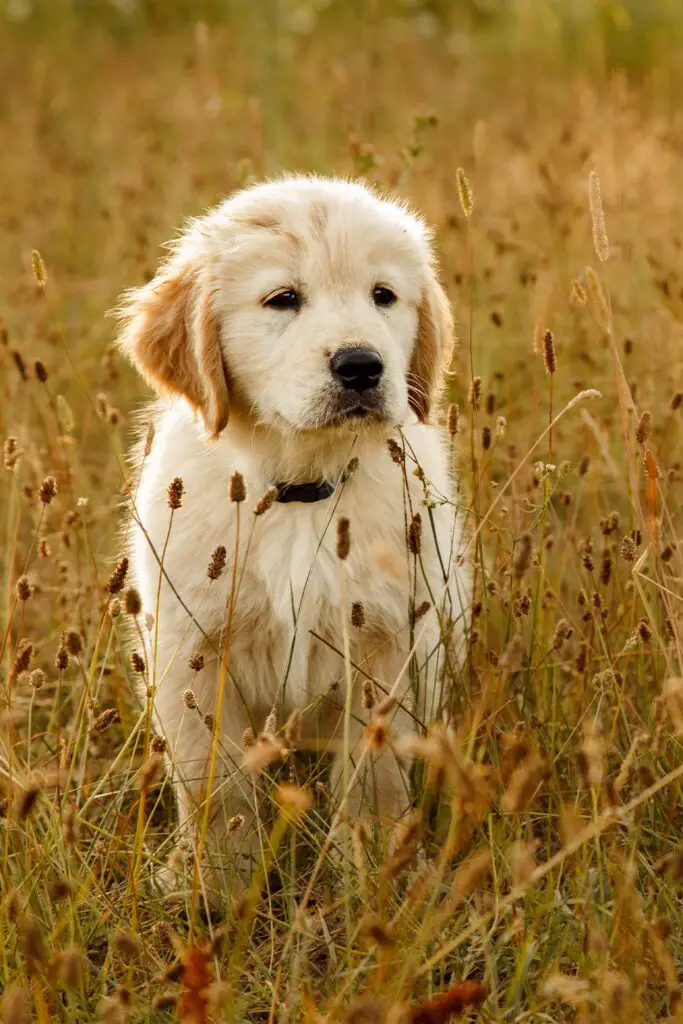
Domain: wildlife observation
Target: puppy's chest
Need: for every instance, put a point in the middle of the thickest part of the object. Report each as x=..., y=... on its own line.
x=297, y=572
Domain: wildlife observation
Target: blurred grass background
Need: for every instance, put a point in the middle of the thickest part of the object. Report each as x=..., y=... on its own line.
x=118, y=120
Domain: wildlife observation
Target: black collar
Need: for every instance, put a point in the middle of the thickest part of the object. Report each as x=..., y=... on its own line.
x=315, y=490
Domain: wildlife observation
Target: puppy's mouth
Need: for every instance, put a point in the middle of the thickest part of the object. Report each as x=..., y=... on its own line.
x=354, y=409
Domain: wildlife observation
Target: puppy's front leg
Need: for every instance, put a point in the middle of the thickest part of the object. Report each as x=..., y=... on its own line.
x=365, y=758
x=223, y=822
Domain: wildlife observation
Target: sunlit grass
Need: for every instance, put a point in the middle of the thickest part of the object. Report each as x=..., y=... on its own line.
x=544, y=861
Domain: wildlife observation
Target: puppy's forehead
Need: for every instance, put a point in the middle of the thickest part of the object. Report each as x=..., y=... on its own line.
x=338, y=224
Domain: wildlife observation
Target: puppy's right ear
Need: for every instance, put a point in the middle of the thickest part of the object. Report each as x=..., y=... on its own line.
x=170, y=333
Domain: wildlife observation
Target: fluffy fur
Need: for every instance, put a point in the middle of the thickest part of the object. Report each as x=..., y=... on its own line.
x=251, y=390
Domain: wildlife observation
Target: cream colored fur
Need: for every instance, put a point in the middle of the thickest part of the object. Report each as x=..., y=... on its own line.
x=251, y=391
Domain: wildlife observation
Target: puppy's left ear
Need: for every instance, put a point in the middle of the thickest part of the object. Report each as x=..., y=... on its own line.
x=433, y=347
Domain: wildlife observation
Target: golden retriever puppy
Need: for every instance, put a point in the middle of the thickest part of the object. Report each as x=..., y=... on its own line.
x=298, y=333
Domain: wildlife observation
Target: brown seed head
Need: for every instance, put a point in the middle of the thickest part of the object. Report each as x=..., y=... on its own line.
x=158, y=745
x=415, y=534
x=452, y=419
x=175, y=492
x=628, y=549
x=20, y=364
x=11, y=453
x=264, y=503
x=563, y=632
x=549, y=357
x=33, y=948
x=48, y=490
x=118, y=577
x=40, y=371
x=644, y=631
x=73, y=641
x=105, y=719
x=644, y=427
x=475, y=392
x=677, y=401
x=22, y=657
x=357, y=614
x=368, y=695
x=24, y=588
x=27, y=801
x=196, y=662
x=127, y=945
x=606, y=567
x=237, y=490
x=343, y=538
x=190, y=700
x=37, y=678
x=217, y=562
x=137, y=662
x=133, y=602
x=523, y=557
x=396, y=452
x=62, y=657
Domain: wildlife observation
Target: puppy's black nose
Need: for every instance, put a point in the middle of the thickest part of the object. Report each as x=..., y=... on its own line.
x=358, y=369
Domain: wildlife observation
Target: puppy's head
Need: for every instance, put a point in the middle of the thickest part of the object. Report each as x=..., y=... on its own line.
x=302, y=304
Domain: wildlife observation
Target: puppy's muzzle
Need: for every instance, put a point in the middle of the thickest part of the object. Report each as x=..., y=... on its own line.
x=357, y=369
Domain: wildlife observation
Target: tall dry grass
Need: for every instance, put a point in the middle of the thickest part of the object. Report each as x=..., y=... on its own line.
x=541, y=871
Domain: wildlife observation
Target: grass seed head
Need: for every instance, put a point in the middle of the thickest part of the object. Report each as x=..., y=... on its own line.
x=549, y=357
x=644, y=427
x=133, y=602
x=73, y=641
x=23, y=655
x=24, y=589
x=600, y=242
x=137, y=662
x=415, y=534
x=11, y=453
x=190, y=700
x=117, y=579
x=357, y=614
x=464, y=192
x=217, y=562
x=38, y=268
x=396, y=452
x=265, y=502
x=523, y=556
x=452, y=419
x=237, y=490
x=48, y=490
x=196, y=661
x=343, y=538
x=474, y=395
x=40, y=372
x=175, y=492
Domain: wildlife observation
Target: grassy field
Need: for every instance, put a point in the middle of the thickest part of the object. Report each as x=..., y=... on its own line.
x=544, y=863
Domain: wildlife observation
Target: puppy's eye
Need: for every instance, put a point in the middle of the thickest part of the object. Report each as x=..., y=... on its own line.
x=383, y=296
x=288, y=298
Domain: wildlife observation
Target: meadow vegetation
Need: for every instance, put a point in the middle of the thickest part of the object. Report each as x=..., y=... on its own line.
x=539, y=878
